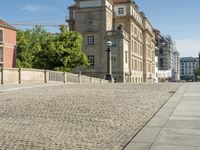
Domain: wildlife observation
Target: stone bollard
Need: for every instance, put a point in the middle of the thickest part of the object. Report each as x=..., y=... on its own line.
x=2, y=74
x=91, y=80
x=19, y=75
x=45, y=76
x=79, y=77
x=64, y=77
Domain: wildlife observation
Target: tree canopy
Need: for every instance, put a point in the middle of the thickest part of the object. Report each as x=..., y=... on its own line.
x=36, y=48
x=197, y=73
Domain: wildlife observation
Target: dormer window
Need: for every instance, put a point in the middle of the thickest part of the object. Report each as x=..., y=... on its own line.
x=120, y=10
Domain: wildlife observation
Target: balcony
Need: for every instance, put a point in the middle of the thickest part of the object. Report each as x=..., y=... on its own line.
x=117, y=33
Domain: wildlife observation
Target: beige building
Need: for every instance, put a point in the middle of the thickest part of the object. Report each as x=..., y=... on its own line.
x=133, y=48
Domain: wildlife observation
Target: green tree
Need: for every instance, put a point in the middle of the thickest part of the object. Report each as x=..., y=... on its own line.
x=40, y=49
x=29, y=43
x=197, y=73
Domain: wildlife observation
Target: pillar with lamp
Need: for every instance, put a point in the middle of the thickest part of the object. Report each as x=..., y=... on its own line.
x=109, y=76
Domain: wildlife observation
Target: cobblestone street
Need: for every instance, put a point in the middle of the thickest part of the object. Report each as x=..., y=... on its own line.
x=78, y=116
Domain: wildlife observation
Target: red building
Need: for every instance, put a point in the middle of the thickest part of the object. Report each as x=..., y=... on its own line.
x=7, y=45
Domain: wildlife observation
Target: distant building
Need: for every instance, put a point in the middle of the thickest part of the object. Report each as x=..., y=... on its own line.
x=188, y=65
x=7, y=45
x=156, y=70
x=133, y=49
x=176, y=66
x=168, y=58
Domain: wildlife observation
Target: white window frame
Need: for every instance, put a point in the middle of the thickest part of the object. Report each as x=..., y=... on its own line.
x=91, y=60
x=113, y=58
x=90, y=40
x=120, y=10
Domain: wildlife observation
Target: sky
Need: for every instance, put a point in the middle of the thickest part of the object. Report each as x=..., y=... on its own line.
x=178, y=18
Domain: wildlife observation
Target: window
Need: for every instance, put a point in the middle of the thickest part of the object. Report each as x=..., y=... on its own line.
x=132, y=45
x=91, y=60
x=120, y=11
x=161, y=62
x=135, y=31
x=113, y=58
x=126, y=57
x=135, y=47
x=1, y=54
x=132, y=66
x=135, y=64
x=1, y=36
x=161, y=51
x=90, y=40
x=140, y=66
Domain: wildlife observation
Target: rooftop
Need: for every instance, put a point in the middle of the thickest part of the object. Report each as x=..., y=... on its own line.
x=189, y=59
x=6, y=25
x=120, y=1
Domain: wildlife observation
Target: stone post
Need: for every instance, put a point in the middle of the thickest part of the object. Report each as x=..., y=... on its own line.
x=19, y=75
x=91, y=80
x=64, y=77
x=79, y=77
x=45, y=76
x=2, y=74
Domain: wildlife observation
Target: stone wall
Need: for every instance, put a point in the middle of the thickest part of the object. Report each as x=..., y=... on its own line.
x=21, y=75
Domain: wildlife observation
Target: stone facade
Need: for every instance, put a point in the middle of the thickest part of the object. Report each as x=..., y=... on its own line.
x=133, y=49
x=7, y=45
x=188, y=65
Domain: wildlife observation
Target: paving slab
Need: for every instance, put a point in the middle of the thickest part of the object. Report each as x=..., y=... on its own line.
x=180, y=131
x=172, y=147
x=138, y=146
x=157, y=121
x=165, y=111
x=166, y=137
x=147, y=135
x=183, y=122
x=178, y=120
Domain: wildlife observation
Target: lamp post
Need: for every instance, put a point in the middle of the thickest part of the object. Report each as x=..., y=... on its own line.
x=109, y=65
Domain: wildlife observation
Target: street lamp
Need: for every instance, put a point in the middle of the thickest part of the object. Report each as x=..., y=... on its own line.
x=109, y=66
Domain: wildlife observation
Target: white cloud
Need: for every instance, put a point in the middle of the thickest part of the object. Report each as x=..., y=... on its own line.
x=36, y=8
x=188, y=47
x=32, y=8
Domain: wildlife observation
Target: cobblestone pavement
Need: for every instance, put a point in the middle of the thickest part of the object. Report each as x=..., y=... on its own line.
x=77, y=116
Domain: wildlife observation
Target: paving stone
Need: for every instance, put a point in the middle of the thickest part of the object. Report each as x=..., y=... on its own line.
x=77, y=116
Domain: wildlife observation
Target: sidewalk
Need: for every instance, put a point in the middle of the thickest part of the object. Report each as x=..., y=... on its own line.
x=176, y=126
x=14, y=87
